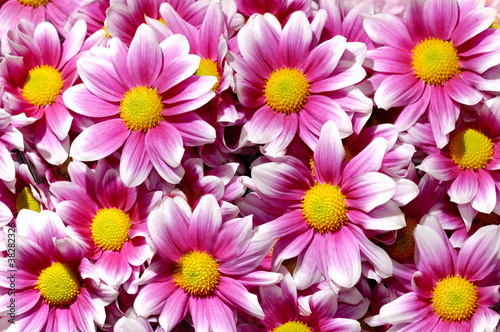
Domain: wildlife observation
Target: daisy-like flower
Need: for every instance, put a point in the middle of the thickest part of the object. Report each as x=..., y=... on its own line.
x=204, y=267
x=451, y=292
x=435, y=60
x=57, y=289
x=34, y=77
x=143, y=95
x=325, y=217
x=36, y=12
x=469, y=164
x=292, y=84
x=107, y=219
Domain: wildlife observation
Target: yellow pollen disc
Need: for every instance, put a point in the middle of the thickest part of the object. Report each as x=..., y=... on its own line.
x=324, y=208
x=483, y=219
x=403, y=249
x=455, y=299
x=197, y=273
x=471, y=149
x=33, y=3
x=208, y=67
x=140, y=108
x=58, y=284
x=435, y=61
x=26, y=200
x=110, y=229
x=286, y=90
x=294, y=326
x=43, y=85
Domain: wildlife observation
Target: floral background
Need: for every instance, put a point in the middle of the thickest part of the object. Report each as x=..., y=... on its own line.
x=249, y=165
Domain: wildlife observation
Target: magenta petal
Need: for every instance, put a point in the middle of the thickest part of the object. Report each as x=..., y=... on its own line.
x=264, y=126
x=144, y=59
x=295, y=40
x=233, y=238
x=35, y=319
x=52, y=149
x=165, y=143
x=289, y=224
x=81, y=101
x=472, y=23
x=440, y=17
x=338, y=257
x=431, y=254
x=462, y=92
x=162, y=229
x=135, y=165
x=48, y=41
x=329, y=155
x=113, y=268
x=385, y=217
x=197, y=310
x=423, y=284
x=464, y=187
x=211, y=29
x=324, y=58
x=306, y=272
x=176, y=71
x=59, y=120
x=398, y=90
x=389, y=59
x=100, y=140
x=174, y=310
x=150, y=301
x=405, y=309
x=220, y=316
x=368, y=190
x=389, y=30
x=290, y=247
x=240, y=297
x=486, y=197
x=368, y=160
x=100, y=78
x=205, y=224
x=250, y=259
x=440, y=167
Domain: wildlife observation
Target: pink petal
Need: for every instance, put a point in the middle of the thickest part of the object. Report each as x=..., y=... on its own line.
x=329, y=155
x=398, y=90
x=205, y=224
x=386, y=217
x=440, y=167
x=100, y=78
x=47, y=39
x=431, y=254
x=234, y=237
x=194, y=130
x=100, y=140
x=239, y=297
x=405, y=309
x=135, y=165
x=389, y=59
x=472, y=23
x=165, y=142
x=81, y=101
x=264, y=126
x=486, y=198
x=52, y=149
x=368, y=190
x=220, y=316
x=176, y=71
x=113, y=268
x=368, y=160
x=464, y=187
x=161, y=229
x=441, y=17
x=174, y=310
x=144, y=59
x=59, y=120
x=295, y=40
x=461, y=92
x=388, y=30
x=323, y=59
x=150, y=301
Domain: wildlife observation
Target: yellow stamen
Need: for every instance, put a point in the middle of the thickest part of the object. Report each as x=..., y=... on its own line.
x=208, y=67
x=455, y=299
x=43, y=85
x=140, y=108
x=58, y=284
x=471, y=149
x=26, y=200
x=110, y=229
x=286, y=90
x=197, y=273
x=294, y=326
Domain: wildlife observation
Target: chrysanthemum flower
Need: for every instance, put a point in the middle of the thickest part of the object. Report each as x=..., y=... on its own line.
x=57, y=289
x=324, y=217
x=144, y=95
x=435, y=60
x=36, y=12
x=469, y=164
x=204, y=267
x=107, y=219
x=451, y=292
x=40, y=69
x=292, y=84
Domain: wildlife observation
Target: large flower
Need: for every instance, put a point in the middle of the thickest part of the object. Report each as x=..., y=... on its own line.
x=35, y=76
x=144, y=96
x=204, y=267
x=107, y=219
x=292, y=84
x=451, y=292
x=435, y=60
x=324, y=217
x=57, y=289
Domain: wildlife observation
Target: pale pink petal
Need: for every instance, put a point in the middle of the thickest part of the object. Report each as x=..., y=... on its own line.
x=472, y=23
x=194, y=130
x=385, y=217
x=59, y=120
x=486, y=198
x=233, y=238
x=52, y=149
x=100, y=140
x=264, y=126
x=160, y=227
x=48, y=41
x=205, y=224
x=197, y=310
x=260, y=278
x=113, y=268
x=100, y=78
x=323, y=59
x=398, y=90
x=368, y=190
x=176, y=71
x=165, y=142
x=464, y=187
x=73, y=42
x=461, y=92
x=135, y=165
x=389, y=59
x=440, y=167
x=431, y=254
x=240, y=297
x=405, y=309
x=368, y=160
x=277, y=147
x=144, y=59
x=174, y=310
x=81, y=101
x=441, y=17
x=220, y=316
x=329, y=155
x=306, y=271
x=413, y=112
x=388, y=30
x=150, y=301
x=295, y=41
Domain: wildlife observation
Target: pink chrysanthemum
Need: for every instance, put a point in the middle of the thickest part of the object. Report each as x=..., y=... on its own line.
x=469, y=165
x=57, y=289
x=451, y=292
x=107, y=219
x=325, y=216
x=204, y=267
x=39, y=70
x=144, y=96
x=292, y=84
x=435, y=60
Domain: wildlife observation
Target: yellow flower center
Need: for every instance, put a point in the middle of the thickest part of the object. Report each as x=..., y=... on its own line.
x=140, y=108
x=197, y=273
x=43, y=85
x=471, y=149
x=58, y=284
x=455, y=299
x=403, y=249
x=33, y=3
x=208, y=67
x=110, y=229
x=435, y=61
x=26, y=200
x=286, y=90
x=294, y=326
x=324, y=208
